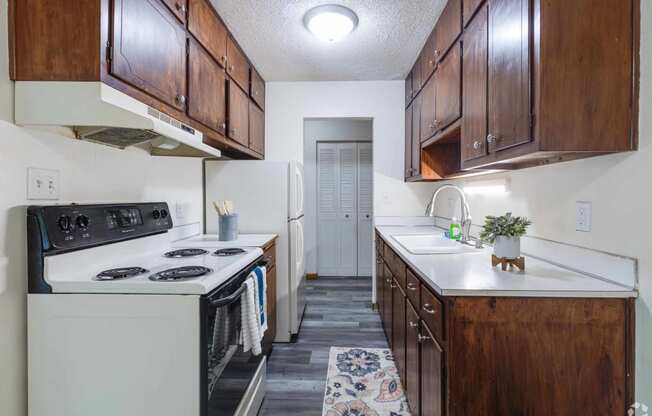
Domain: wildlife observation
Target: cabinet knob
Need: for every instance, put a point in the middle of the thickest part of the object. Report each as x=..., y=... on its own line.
x=476, y=145
x=181, y=99
x=491, y=138
x=431, y=62
x=422, y=338
x=412, y=324
x=181, y=7
x=437, y=52
x=427, y=308
x=231, y=68
x=223, y=126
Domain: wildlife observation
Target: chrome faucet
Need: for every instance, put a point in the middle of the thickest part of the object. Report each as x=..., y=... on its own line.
x=466, y=212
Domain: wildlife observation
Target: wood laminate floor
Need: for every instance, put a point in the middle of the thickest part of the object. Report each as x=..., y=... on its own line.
x=338, y=313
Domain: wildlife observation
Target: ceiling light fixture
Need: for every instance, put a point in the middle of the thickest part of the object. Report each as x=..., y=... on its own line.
x=330, y=22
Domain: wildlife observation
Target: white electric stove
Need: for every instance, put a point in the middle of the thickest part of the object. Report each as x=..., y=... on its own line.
x=124, y=322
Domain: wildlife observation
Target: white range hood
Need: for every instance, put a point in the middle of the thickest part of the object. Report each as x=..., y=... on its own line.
x=102, y=114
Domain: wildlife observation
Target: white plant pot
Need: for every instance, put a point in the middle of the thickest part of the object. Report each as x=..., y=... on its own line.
x=507, y=247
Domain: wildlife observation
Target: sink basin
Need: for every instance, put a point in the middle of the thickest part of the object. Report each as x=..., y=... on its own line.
x=431, y=244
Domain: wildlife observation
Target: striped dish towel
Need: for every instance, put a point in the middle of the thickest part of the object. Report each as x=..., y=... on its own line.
x=251, y=334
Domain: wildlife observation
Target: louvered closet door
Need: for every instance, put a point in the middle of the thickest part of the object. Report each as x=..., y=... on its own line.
x=328, y=206
x=348, y=183
x=365, y=209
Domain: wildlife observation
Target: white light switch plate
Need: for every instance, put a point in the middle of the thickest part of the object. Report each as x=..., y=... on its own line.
x=583, y=216
x=42, y=184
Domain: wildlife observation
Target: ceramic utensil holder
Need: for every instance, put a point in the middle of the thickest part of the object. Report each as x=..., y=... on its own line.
x=228, y=227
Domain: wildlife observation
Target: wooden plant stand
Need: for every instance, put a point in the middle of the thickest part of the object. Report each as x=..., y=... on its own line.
x=518, y=262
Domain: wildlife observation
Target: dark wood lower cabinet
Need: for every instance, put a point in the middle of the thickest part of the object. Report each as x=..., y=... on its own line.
x=432, y=375
x=495, y=356
x=398, y=328
x=411, y=382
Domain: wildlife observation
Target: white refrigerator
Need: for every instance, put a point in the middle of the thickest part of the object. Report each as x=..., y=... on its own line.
x=268, y=197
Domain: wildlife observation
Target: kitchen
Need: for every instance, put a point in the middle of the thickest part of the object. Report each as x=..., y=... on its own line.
x=358, y=77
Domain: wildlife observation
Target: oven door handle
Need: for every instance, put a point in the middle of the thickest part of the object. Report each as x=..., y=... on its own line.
x=229, y=299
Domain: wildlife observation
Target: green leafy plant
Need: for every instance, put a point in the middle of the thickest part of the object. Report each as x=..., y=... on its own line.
x=505, y=225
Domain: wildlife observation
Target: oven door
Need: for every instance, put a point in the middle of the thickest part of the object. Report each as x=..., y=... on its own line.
x=227, y=371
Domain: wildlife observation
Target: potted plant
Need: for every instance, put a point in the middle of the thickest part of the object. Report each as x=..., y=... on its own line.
x=505, y=234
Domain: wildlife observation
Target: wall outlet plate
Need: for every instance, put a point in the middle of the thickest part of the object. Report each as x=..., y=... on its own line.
x=42, y=184
x=583, y=216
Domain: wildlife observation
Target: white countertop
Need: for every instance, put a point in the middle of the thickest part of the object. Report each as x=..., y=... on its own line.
x=471, y=274
x=212, y=240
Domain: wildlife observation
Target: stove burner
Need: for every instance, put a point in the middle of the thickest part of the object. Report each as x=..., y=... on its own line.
x=185, y=252
x=121, y=273
x=225, y=252
x=180, y=273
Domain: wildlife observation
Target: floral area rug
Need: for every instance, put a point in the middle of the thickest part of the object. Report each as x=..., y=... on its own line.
x=363, y=382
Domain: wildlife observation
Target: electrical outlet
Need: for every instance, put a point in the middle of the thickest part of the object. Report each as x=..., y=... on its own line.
x=583, y=216
x=180, y=211
x=42, y=184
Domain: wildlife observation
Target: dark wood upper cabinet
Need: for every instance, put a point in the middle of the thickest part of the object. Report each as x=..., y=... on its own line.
x=398, y=328
x=408, y=142
x=428, y=57
x=417, y=79
x=428, y=99
x=238, y=118
x=448, y=89
x=510, y=106
x=257, y=89
x=178, y=7
x=206, y=89
x=412, y=359
x=205, y=25
x=432, y=374
x=474, y=89
x=469, y=7
x=448, y=27
x=149, y=50
x=408, y=89
x=416, y=135
x=236, y=64
x=256, y=129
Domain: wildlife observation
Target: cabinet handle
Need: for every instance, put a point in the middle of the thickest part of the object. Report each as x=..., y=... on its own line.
x=392, y=285
x=181, y=99
x=388, y=281
x=427, y=308
x=181, y=7
x=412, y=324
x=476, y=145
x=436, y=123
x=223, y=126
x=231, y=68
x=491, y=138
x=422, y=338
x=436, y=52
x=431, y=62
x=411, y=286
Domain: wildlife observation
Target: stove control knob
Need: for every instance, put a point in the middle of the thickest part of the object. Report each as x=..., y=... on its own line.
x=82, y=222
x=164, y=213
x=156, y=214
x=65, y=223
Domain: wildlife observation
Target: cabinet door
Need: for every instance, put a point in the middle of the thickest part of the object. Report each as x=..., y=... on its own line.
x=509, y=74
x=379, y=285
x=178, y=7
x=237, y=65
x=416, y=77
x=149, y=50
x=416, y=135
x=398, y=329
x=408, y=89
x=238, y=115
x=448, y=89
x=429, y=57
x=208, y=29
x=257, y=88
x=428, y=97
x=408, y=141
x=206, y=89
x=474, y=88
x=388, y=291
x=449, y=27
x=412, y=359
x=432, y=374
x=256, y=129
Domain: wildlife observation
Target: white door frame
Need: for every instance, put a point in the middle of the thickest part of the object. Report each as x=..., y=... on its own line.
x=335, y=141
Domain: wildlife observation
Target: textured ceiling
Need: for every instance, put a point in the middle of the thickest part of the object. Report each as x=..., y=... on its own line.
x=383, y=47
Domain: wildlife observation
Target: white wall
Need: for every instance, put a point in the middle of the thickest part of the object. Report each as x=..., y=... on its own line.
x=89, y=173
x=618, y=187
x=323, y=130
x=289, y=103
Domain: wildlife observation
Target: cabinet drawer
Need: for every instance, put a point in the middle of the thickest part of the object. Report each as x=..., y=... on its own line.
x=432, y=312
x=257, y=89
x=413, y=289
x=270, y=255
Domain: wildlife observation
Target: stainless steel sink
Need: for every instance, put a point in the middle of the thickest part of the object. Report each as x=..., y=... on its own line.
x=431, y=244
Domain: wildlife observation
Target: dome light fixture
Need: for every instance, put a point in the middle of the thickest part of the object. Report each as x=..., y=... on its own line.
x=330, y=22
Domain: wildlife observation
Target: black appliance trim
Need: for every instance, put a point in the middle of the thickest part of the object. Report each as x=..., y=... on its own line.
x=205, y=302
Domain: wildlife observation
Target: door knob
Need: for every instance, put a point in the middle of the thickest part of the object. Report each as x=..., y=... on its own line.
x=346, y=216
x=491, y=138
x=181, y=99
